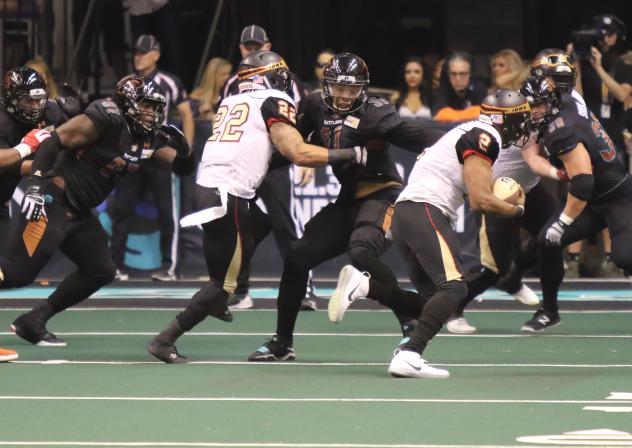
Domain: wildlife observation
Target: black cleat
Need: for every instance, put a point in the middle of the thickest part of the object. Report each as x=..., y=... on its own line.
x=34, y=331
x=541, y=320
x=166, y=353
x=272, y=351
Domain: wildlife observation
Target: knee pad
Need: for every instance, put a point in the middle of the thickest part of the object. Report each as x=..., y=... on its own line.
x=454, y=290
x=360, y=255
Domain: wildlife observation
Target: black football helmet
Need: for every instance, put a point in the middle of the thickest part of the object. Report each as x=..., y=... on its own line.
x=133, y=90
x=555, y=64
x=264, y=70
x=24, y=94
x=345, y=70
x=542, y=91
x=509, y=112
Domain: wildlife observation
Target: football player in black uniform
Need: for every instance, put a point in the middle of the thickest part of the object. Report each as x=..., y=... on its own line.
x=344, y=115
x=75, y=170
x=26, y=119
x=599, y=196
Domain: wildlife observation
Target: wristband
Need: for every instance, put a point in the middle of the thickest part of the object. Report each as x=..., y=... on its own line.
x=553, y=173
x=24, y=150
x=519, y=211
x=565, y=219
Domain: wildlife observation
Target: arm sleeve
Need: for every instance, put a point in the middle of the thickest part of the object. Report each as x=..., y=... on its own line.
x=414, y=135
x=278, y=110
x=477, y=142
x=46, y=156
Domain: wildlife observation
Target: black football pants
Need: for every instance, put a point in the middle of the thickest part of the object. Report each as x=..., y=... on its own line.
x=614, y=212
x=355, y=227
x=79, y=236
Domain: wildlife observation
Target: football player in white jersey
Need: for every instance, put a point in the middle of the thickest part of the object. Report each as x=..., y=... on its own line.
x=247, y=129
x=497, y=236
x=459, y=164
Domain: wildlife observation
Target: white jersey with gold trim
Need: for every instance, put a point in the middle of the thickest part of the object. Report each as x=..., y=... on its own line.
x=437, y=177
x=237, y=155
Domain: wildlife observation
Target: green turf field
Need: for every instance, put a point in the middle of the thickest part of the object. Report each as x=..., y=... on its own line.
x=569, y=387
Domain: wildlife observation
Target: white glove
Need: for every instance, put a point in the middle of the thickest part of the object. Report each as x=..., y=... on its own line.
x=556, y=231
x=33, y=203
x=361, y=155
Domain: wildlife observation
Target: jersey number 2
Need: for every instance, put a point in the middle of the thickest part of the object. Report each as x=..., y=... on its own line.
x=228, y=130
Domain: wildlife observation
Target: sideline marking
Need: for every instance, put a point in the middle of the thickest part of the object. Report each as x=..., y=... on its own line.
x=251, y=445
x=317, y=364
x=367, y=335
x=591, y=437
x=294, y=400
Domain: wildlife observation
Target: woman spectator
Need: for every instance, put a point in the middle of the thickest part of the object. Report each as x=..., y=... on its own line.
x=460, y=97
x=411, y=100
x=205, y=97
x=508, y=70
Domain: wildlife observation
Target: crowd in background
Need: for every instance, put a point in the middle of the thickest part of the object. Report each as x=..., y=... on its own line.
x=443, y=89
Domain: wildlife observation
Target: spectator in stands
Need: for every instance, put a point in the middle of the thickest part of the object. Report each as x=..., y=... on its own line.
x=411, y=101
x=204, y=98
x=324, y=56
x=436, y=74
x=508, y=70
x=458, y=99
x=160, y=183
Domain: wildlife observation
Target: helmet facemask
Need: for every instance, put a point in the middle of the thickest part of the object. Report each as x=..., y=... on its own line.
x=28, y=107
x=344, y=95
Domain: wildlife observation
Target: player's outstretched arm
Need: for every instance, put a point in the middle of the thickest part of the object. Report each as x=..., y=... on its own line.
x=540, y=165
x=173, y=151
x=290, y=143
x=477, y=174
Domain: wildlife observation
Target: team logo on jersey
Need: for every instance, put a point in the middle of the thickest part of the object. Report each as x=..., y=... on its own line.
x=484, y=140
x=352, y=122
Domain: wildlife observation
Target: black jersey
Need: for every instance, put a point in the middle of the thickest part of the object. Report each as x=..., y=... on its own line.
x=375, y=120
x=90, y=173
x=11, y=132
x=577, y=124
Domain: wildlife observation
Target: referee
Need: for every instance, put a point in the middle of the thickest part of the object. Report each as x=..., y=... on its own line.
x=161, y=184
x=277, y=189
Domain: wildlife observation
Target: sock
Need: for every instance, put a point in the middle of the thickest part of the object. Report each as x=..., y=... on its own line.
x=169, y=335
x=608, y=256
x=43, y=311
x=573, y=257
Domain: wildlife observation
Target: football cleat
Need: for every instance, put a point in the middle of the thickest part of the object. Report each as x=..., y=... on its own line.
x=166, y=353
x=240, y=302
x=272, y=351
x=526, y=295
x=164, y=276
x=34, y=331
x=459, y=325
x=408, y=364
x=352, y=284
x=540, y=321
x=7, y=355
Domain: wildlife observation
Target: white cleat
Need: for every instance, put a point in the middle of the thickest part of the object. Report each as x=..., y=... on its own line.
x=352, y=284
x=407, y=364
x=460, y=326
x=527, y=296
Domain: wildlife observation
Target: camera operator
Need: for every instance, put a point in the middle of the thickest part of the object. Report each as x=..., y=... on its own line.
x=603, y=79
